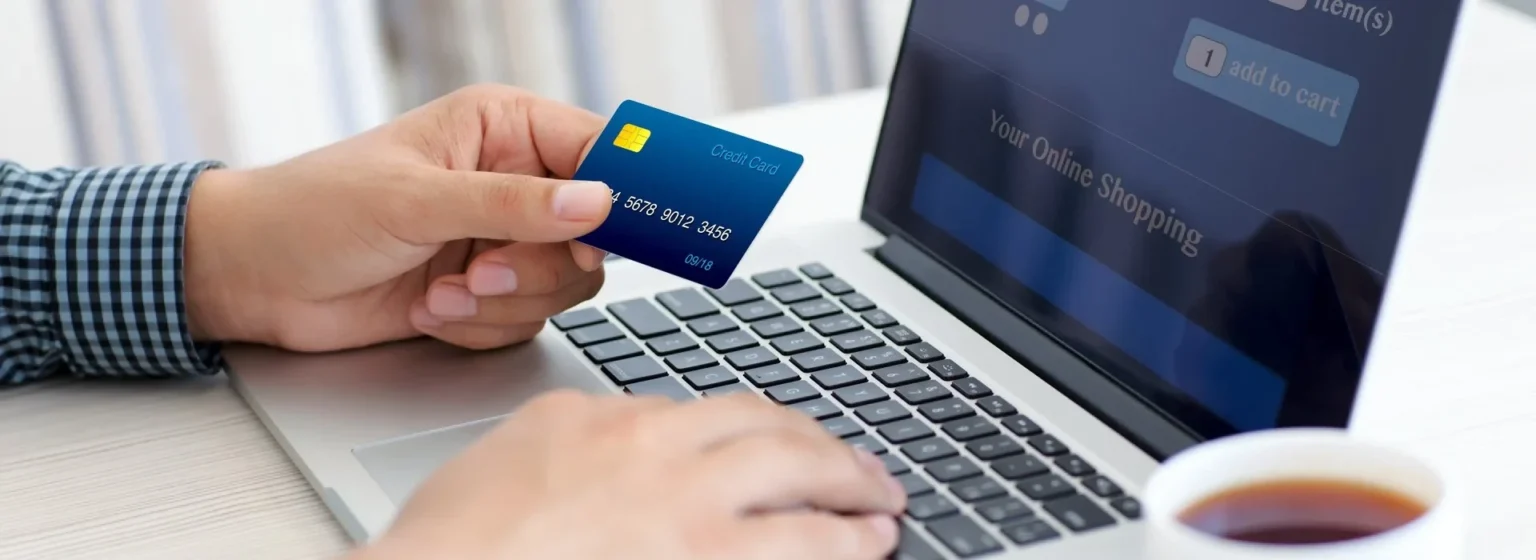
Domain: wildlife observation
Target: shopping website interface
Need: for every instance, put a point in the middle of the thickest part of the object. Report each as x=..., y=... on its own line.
x=1208, y=192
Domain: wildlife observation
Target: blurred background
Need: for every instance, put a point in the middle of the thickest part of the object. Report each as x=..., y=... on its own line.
x=249, y=82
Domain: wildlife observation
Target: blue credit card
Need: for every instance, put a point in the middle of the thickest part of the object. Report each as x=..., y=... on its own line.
x=688, y=198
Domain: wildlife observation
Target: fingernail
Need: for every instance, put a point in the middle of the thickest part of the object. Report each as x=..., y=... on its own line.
x=898, y=492
x=869, y=460
x=884, y=526
x=451, y=301
x=423, y=319
x=492, y=279
x=581, y=200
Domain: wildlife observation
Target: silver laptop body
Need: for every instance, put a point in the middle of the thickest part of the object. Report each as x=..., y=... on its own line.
x=366, y=426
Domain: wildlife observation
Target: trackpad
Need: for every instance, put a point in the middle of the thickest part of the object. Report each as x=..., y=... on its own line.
x=400, y=464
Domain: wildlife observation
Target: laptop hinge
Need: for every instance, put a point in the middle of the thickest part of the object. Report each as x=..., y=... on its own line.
x=1062, y=368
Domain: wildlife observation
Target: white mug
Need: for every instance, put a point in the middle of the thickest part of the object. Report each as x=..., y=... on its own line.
x=1211, y=468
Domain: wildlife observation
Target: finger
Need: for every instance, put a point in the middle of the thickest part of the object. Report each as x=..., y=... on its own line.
x=523, y=269
x=816, y=535
x=587, y=257
x=479, y=204
x=710, y=422
x=473, y=336
x=447, y=292
x=790, y=470
x=526, y=133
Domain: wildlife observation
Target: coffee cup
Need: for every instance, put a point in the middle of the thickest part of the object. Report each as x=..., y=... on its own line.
x=1300, y=494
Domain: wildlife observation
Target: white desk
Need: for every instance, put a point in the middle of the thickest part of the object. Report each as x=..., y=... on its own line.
x=184, y=470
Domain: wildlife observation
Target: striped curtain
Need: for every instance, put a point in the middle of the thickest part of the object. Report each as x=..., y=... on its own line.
x=92, y=82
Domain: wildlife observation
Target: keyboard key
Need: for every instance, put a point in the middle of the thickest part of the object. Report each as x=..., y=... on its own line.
x=709, y=378
x=756, y=311
x=911, y=546
x=775, y=278
x=642, y=318
x=996, y=406
x=796, y=343
x=814, y=309
x=857, y=302
x=894, y=465
x=711, y=325
x=1030, y=532
x=777, y=326
x=972, y=388
x=1079, y=513
x=868, y=443
x=771, y=375
x=1128, y=507
x=818, y=409
x=1021, y=425
x=690, y=360
x=1048, y=445
x=1045, y=487
x=817, y=360
x=671, y=344
x=686, y=304
x=963, y=536
x=751, y=358
x=882, y=412
x=599, y=333
x=928, y=450
x=730, y=342
x=952, y=469
x=836, y=286
x=727, y=390
x=795, y=293
x=943, y=411
x=878, y=358
x=930, y=506
x=790, y=393
x=913, y=484
x=856, y=341
x=966, y=429
x=905, y=431
x=815, y=271
x=927, y=390
x=1003, y=509
x=660, y=386
x=859, y=395
x=836, y=324
x=838, y=377
x=924, y=352
x=947, y=370
x=1074, y=465
x=842, y=426
x=878, y=319
x=1019, y=466
x=1102, y=486
x=734, y=293
x=610, y=351
x=632, y=370
x=902, y=336
x=577, y=318
x=977, y=488
x=898, y=375
x=994, y=447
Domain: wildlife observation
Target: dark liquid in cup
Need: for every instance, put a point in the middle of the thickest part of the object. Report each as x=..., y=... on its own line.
x=1302, y=512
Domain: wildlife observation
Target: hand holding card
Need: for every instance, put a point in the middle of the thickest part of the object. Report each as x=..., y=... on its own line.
x=688, y=198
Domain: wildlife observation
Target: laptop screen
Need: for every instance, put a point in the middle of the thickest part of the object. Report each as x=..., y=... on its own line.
x=1202, y=198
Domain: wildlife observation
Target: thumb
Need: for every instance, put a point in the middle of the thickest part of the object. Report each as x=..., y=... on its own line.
x=486, y=205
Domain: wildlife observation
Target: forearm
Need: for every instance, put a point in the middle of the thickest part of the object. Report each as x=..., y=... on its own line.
x=92, y=273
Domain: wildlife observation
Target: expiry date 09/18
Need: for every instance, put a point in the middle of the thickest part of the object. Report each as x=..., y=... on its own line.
x=698, y=262
x=711, y=230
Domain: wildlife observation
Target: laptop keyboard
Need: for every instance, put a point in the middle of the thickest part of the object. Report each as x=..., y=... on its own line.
x=980, y=477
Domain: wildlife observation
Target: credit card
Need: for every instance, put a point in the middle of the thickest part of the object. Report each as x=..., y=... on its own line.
x=688, y=198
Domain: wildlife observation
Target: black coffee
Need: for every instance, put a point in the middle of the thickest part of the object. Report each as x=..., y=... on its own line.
x=1302, y=512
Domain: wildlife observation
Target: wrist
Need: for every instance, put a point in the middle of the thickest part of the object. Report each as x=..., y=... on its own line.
x=213, y=273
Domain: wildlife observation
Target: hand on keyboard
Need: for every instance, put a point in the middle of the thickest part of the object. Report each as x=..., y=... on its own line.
x=573, y=476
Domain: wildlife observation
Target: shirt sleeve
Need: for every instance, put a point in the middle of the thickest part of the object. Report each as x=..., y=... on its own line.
x=91, y=273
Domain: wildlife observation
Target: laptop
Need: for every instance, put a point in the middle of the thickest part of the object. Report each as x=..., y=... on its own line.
x=1095, y=233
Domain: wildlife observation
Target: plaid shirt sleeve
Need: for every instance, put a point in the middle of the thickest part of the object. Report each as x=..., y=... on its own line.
x=91, y=273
